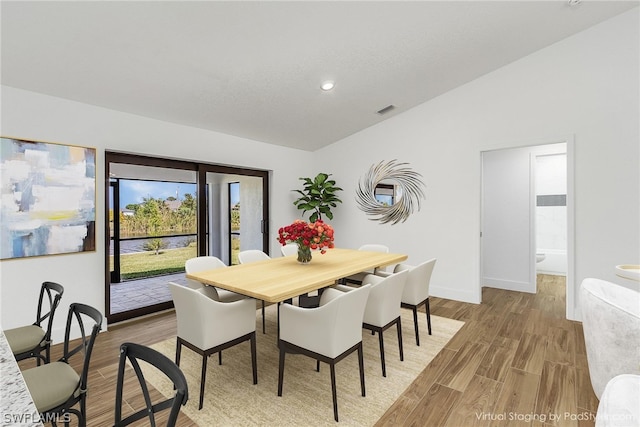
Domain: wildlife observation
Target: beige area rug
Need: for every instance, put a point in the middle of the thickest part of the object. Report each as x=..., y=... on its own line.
x=231, y=399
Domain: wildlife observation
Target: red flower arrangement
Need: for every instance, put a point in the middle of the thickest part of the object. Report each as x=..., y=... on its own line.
x=313, y=235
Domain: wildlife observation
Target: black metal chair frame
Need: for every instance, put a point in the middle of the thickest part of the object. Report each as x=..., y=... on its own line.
x=86, y=346
x=380, y=330
x=45, y=345
x=218, y=349
x=287, y=347
x=134, y=352
x=414, y=308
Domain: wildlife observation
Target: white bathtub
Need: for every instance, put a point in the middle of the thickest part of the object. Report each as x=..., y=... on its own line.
x=555, y=262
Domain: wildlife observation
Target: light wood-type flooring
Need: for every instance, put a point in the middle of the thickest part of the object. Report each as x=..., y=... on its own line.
x=516, y=362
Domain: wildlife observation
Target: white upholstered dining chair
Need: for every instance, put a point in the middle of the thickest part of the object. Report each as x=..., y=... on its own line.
x=289, y=249
x=328, y=333
x=416, y=290
x=202, y=263
x=383, y=308
x=207, y=326
x=357, y=278
x=252, y=255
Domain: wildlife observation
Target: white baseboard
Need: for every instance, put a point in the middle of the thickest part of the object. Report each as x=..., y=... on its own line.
x=510, y=285
x=454, y=294
x=550, y=273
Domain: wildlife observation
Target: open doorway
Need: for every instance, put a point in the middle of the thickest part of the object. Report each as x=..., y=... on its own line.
x=527, y=217
x=161, y=213
x=551, y=212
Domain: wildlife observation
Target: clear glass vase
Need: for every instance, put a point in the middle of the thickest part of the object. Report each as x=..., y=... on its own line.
x=304, y=254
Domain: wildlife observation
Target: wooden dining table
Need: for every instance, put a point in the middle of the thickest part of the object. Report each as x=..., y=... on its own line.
x=279, y=279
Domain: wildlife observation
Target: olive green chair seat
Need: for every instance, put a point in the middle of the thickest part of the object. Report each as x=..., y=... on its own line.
x=25, y=338
x=51, y=384
x=33, y=340
x=56, y=387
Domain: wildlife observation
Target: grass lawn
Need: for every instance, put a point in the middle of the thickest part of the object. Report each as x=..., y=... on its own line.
x=148, y=264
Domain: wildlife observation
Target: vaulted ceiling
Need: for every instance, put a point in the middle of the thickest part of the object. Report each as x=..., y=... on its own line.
x=254, y=69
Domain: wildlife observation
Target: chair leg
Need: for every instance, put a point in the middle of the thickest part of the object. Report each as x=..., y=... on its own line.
x=178, y=351
x=83, y=411
x=220, y=357
x=361, y=366
x=254, y=363
x=428, y=315
x=399, y=324
x=264, y=328
x=381, y=339
x=281, y=370
x=202, y=379
x=334, y=392
x=81, y=414
x=415, y=324
x=317, y=365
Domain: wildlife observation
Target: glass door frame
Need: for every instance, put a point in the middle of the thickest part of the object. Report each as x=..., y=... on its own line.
x=230, y=214
x=114, y=187
x=201, y=170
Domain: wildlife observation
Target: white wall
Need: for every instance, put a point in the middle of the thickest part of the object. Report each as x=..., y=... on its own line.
x=29, y=115
x=585, y=86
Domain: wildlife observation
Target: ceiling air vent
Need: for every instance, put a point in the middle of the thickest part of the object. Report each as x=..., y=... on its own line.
x=386, y=109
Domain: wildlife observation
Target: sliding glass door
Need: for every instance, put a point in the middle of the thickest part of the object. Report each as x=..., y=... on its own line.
x=154, y=223
x=238, y=197
x=163, y=212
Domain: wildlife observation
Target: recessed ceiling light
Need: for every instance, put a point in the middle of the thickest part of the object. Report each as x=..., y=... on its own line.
x=328, y=85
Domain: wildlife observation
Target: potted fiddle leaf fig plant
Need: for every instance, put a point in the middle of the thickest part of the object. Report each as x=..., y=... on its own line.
x=318, y=196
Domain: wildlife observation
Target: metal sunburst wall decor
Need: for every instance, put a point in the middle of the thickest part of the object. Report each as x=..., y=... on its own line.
x=390, y=192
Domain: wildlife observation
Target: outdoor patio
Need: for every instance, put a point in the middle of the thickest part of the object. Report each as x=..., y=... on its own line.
x=134, y=294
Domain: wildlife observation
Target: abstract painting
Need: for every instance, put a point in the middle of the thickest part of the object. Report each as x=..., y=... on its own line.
x=47, y=198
